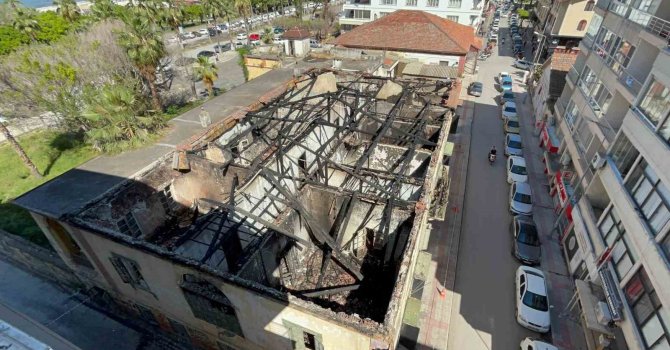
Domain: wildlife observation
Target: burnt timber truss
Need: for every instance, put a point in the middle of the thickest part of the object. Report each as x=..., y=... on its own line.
x=284, y=123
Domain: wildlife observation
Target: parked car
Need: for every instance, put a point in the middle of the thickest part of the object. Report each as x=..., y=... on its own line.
x=475, y=88
x=241, y=37
x=516, y=169
x=506, y=83
x=213, y=31
x=508, y=110
x=513, y=145
x=206, y=53
x=203, y=31
x=506, y=96
x=313, y=43
x=278, y=30
x=523, y=64
x=187, y=35
x=532, y=301
x=493, y=36
x=222, y=48
x=223, y=27
x=254, y=37
x=196, y=34
x=511, y=125
x=501, y=75
x=534, y=344
x=520, y=201
x=526, y=245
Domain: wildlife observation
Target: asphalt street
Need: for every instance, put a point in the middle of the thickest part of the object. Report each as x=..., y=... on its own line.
x=483, y=314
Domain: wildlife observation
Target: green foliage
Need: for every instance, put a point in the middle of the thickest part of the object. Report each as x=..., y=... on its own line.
x=68, y=9
x=523, y=14
x=11, y=39
x=206, y=71
x=244, y=50
x=119, y=119
x=53, y=153
x=194, y=12
x=105, y=9
x=268, y=35
x=52, y=26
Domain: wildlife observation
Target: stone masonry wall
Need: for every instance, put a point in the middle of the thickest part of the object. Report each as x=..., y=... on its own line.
x=37, y=260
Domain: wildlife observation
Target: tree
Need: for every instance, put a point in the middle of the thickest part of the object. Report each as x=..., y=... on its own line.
x=19, y=150
x=243, y=7
x=118, y=119
x=103, y=9
x=145, y=49
x=268, y=36
x=207, y=72
x=68, y=9
x=25, y=23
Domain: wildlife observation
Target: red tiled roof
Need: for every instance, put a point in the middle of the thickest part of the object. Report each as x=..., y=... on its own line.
x=296, y=33
x=412, y=31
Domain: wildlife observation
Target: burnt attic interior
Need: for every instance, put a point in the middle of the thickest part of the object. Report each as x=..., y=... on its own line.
x=312, y=194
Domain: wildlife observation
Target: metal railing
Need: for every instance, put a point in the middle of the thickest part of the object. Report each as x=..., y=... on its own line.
x=652, y=24
x=573, y=75
x=603, y=4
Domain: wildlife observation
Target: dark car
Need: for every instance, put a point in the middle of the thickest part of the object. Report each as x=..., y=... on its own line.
x=526, y=246
x=212, y=31
x=206, y=53
x=475, y=88
x=279, y=30
x=222, y=48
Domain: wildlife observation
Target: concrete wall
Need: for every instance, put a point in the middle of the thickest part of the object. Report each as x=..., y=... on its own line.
x=260, y=317
x=569, y=17
x=425, y=58
x=257, y=66
x=377, y=10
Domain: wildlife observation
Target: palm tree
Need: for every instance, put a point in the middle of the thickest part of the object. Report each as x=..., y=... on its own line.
x=14, y=4
x=243, y=7
x=117, y=116
x=207, y=71
x=19, y=150
x=214, y=9
x=103, y=9
x=68, y=9
x=25, y=23
x=145, y=48
x=268, y=35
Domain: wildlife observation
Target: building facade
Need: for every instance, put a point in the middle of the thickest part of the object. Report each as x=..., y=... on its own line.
x=563, y=23
x=357, y=12
x=611, y=174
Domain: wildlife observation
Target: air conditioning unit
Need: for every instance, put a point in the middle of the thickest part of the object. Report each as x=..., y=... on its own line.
x=598, y=161
x=603, y=314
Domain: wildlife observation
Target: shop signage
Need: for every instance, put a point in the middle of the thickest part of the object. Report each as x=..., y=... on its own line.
x=611, y=295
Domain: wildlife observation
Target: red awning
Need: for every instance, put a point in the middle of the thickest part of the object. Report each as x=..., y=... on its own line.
x=549, y=139
x=564, y=191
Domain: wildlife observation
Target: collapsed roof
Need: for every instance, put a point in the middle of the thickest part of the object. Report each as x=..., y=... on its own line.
x=315, y=194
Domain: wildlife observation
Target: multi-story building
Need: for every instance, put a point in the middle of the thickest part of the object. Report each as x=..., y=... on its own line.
x=357, y=12
x=293, y=224
x=563, y=23
x=611, y=174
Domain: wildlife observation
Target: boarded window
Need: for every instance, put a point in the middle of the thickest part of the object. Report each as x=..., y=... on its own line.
x=209, y=304
x=129, y=271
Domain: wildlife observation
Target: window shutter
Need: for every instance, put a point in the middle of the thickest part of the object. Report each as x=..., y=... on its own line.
x=120, y=269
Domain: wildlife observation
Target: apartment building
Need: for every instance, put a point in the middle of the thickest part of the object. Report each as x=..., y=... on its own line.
x=563, y=23
x=611, y=175
x=357, y=12
x=293, y=224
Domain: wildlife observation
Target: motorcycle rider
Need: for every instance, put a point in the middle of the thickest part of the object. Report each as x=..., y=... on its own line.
x=492, y=154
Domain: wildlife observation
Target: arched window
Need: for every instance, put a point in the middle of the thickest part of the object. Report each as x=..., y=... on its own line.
x=209, y=304
x=589, y=5
x=582, y=25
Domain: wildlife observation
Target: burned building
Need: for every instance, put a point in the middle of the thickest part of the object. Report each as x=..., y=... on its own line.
x=293, y=226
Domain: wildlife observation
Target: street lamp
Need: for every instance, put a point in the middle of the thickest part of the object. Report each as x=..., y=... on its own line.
x=536, y=57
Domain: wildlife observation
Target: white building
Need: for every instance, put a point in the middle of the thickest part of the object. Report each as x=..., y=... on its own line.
x=357, y=12
x=613, y=127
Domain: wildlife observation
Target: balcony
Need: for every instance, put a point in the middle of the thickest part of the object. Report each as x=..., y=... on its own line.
x=629, y=82
x=587, y=40
x=650, y=23
x=603, y=4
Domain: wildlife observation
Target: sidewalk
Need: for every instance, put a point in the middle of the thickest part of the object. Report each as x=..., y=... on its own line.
x=443, y=242
x=565, y=332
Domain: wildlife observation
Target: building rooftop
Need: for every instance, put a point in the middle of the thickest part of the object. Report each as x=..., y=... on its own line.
x=296, y=33
x=412, y=31
x=319, y=194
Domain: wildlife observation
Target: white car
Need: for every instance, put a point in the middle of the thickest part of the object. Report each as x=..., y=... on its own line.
x=508, y=110
x=513, y=145
x=516, y=170
x=532, y=301
x=520, y=199
x=241, y=37
x=525, y=65
x=493, y=36
x=501, y=75
x=203, y=31
x=534, y=344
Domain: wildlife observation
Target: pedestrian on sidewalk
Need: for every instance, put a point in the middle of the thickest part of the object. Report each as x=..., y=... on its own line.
x=205, y=119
